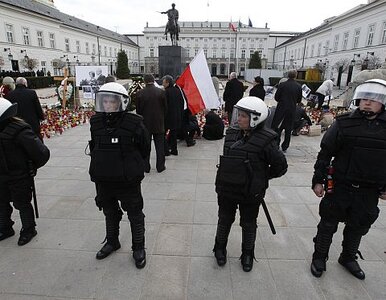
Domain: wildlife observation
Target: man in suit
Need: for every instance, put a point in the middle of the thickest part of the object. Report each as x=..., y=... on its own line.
x=288, y=94
x=234, y=91
x=28, y=104
x=152, y=106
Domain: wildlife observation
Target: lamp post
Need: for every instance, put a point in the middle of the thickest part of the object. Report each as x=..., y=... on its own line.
x=351, y=67
x=365, y=64
x=77, y=59
x=25, y=54
x=99, y=50
x=10, y=56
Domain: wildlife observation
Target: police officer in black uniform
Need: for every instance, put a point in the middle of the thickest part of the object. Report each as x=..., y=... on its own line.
x=21, y=154
x=119, y=143
x=352, y=167
x=251, y=157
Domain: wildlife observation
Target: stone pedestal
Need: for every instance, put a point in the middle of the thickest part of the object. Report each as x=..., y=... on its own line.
x=172, y=60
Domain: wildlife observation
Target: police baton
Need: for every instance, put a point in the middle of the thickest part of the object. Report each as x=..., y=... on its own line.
x=32, y=174
x=268, y=216
x=34, y=197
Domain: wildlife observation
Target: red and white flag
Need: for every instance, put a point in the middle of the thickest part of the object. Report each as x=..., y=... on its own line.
x=197, y=85
x=232, y=27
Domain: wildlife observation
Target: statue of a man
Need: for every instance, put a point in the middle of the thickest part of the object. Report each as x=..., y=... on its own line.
x=172, y=17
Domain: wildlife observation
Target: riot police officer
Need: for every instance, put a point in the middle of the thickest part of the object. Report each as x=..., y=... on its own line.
x=251, y=157
x=21, y=153
x=119, y=142
x=352, y=167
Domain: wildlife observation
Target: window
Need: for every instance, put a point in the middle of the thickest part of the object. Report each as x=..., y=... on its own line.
x=40, y=38
x=223, y=53
x=105, y=48
x=370, y=35
x=232, y=53
x=43, y=64
x=151, y=52
x=26, y=39
x=312, y=50
x=110, y=52
x=251, y=51
x=214, y=53
x=357, y=33
x=67, y=44
x=206, y=52
x=336, y=42
x=243, y=53
x=345, y=40
x=326, y=47
x=9, y=29
x=77, y=46
x=52, y=40
x=87, y=48
x=383, y=33
x=319, y=48
x=93, y=49
x=195, y=52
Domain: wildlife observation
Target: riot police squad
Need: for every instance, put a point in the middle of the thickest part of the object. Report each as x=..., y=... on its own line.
x=119, y=143
x=353, y=154
x=251, y=157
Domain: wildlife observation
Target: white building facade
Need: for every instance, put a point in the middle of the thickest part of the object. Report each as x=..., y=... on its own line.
x=226, y=50
x=38, y=30
x=354, y=40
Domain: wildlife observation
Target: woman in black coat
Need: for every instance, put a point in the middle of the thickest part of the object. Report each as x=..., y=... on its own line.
x=258, y=88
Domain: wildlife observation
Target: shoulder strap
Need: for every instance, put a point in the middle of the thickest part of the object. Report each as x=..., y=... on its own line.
x=13, y=129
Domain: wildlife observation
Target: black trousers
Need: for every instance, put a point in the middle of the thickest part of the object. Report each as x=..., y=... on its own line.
x=18, y=192
x=227, y=208
x=159, y=143
x=321, y=98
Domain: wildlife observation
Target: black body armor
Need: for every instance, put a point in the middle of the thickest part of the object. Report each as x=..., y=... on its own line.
x=115, y=148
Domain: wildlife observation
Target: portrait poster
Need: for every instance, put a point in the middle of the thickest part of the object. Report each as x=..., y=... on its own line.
x=91, y=75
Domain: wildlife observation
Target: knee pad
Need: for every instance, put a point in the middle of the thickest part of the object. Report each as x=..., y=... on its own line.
x=226, y=219
x=248, y=226
x=327, y=226
x=136, y=218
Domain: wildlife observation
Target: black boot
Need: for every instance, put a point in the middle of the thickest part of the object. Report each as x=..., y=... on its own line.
x=26, y=235
x=348, y=257
x=221, y=241
x=112, y=233
x=6, y=229
x=27, y=219
x=248, y=247
x=322, y=240
x=137, y=226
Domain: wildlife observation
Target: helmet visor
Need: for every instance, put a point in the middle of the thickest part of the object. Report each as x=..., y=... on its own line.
x=370, y=91
x=240, y=119
x=108, y=102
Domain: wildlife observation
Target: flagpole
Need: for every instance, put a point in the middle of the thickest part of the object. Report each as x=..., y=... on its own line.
x=236, y=51
x=229, y=55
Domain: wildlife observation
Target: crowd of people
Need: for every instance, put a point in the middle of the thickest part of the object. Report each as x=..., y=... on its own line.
x=349, y=173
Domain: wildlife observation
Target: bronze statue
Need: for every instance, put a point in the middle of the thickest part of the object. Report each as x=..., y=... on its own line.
x=172, y=25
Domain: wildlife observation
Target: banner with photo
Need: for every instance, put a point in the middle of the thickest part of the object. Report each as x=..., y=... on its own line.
x=90, y=78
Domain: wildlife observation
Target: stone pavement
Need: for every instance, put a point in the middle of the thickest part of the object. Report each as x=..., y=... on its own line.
x=181, y=217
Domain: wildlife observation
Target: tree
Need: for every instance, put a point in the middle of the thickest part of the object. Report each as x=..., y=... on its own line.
x=255, y=61
x=29, y=63
x=122, y=65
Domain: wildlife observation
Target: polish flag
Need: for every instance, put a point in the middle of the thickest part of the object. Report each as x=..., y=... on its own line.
x=232, y=27
x=197, y=85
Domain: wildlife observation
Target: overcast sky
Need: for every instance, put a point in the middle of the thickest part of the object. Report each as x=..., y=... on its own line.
x=131, y=16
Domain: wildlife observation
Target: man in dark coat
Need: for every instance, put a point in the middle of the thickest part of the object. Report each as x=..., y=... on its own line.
x=234, y=91
x=288, y=94
x=301, y=119
x=173, y=121
x=214, y=127
x=258, y=88
x=28, y=105
x=152, y=106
